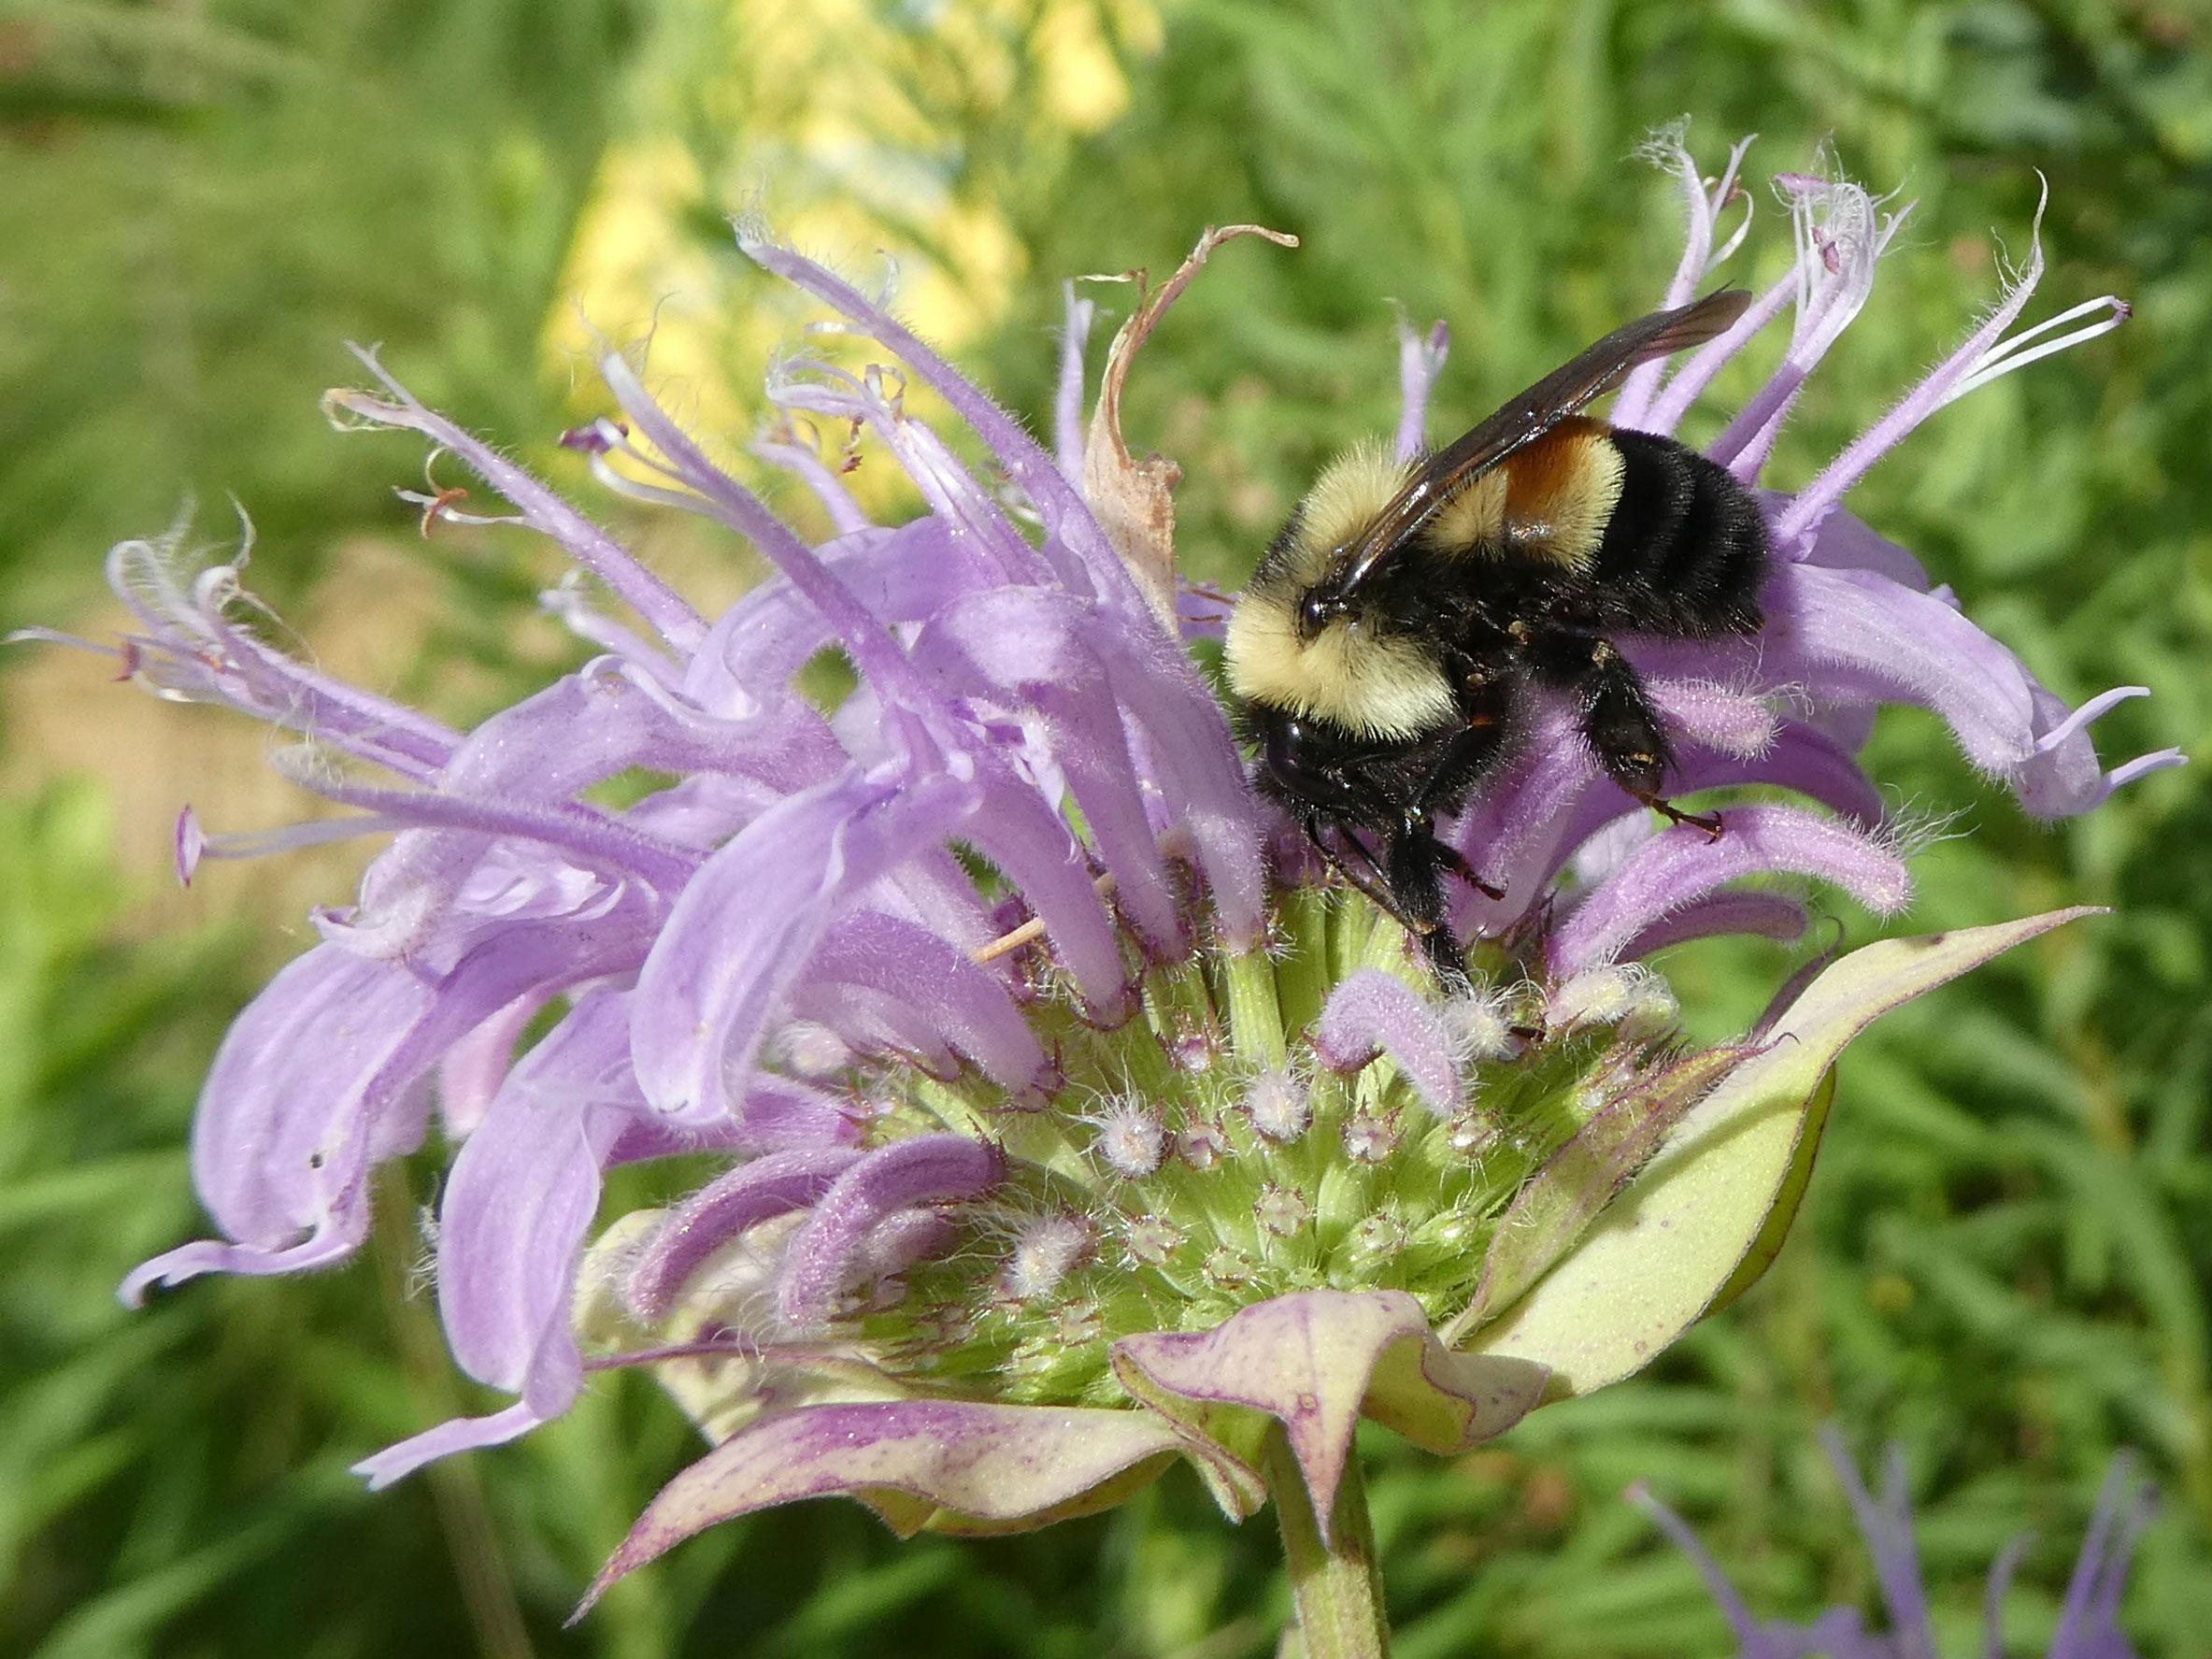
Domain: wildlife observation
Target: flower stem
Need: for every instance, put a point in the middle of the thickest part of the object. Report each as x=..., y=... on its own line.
x=1336, y=1583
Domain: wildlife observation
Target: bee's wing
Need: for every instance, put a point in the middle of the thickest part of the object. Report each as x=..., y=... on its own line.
x=1534, y=412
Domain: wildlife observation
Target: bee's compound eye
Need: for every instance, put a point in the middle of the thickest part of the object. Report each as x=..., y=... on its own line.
x=1285, y=740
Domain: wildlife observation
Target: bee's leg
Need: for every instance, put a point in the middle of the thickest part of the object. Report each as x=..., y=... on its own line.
x=1364, y=871
x=1450, y=858
x=1415, y=861
x=1447, y=961
x=1618, y=720
x=1464, y=761
x=1404, y=884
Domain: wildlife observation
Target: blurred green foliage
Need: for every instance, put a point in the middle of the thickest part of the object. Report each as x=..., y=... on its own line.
x=2004, y=1262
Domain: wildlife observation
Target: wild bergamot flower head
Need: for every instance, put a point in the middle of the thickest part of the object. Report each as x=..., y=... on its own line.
x=1074, y=1122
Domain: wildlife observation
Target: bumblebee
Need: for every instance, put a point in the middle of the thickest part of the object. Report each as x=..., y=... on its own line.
x=1389, y=645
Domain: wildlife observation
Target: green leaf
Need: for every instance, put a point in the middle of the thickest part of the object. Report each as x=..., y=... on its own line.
x=1671, y=1247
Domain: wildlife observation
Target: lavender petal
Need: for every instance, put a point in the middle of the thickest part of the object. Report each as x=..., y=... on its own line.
x=967, y=1007
x=1372, y=1013
x=711, y=986
x=925, y=1169
x=755, y=1192
x=543, y=510
x=1684, y=864
x=1421, y=360
x=1066, y=519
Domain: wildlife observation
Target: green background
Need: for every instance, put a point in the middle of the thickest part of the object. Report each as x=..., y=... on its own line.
x=2002, y=1264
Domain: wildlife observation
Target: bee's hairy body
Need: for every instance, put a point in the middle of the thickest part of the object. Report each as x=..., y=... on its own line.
x=1413, y=686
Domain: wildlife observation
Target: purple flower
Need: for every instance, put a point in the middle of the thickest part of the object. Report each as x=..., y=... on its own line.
x=2089, y=1621
x=1075, y=1123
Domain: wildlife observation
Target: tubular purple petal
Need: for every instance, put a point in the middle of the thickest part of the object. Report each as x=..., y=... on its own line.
x=315, y=1085
x=1993, y=1593
x=876, y=1025
x=1067, y=392
x=1516, y=834
x=521, y=1197
x=1853, y=634
x=543, y=510
x=191, y=651
x=190, y=844
x=757, y=644
x=874, y=653
x=1802, y=518
x=1685, y=864
x=929, y=1168
x=777, y=1115
x=1698, y=370
x=1053, y=649
x=461, y=1434
x=725, y=1209
x=982, y=529
x=1847, y=542
x=1840, y=239
x=1702, y=207
x=709, y=987
x=1802, y=759
x=802, y=463
x=1730, y=721
x=1421, y=360
x=584, y=833
x=470, y=1075
x=2063, y=778
x=1372, y=1013
x=1886, y=1527
x=1058, y=502
x=289, y=1077
x=1032, y=847
x=2089, y=1619
x=1196, y=768
x=580, y=617
x=1768, y=915
x=1029, y=647
x=904, y=1241
x=602, y=720
x=948, y=992
x=1750, y=1639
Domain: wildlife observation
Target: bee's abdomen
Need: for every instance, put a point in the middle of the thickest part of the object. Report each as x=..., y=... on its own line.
x=1685, y=552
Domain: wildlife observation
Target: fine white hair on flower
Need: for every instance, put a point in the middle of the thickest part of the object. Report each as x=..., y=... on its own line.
x=1045, y=1250
x=1130, y=1138
x=1479, y=1026
x=1278, y=1102
x=1596, y=997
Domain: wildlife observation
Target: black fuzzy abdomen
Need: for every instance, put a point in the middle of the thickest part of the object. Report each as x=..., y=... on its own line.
x=1685, y=550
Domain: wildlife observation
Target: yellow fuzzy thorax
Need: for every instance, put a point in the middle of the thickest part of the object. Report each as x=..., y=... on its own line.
x=1346, y=497
x=1349, y=677
x=1372, y=686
